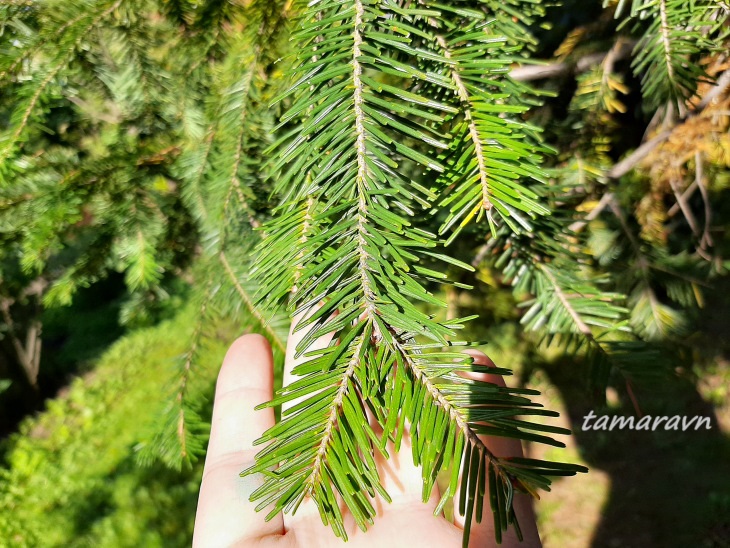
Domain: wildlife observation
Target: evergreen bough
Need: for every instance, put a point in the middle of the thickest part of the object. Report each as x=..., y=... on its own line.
x=391, y=134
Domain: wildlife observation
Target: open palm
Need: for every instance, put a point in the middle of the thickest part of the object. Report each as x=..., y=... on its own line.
x=226, y=517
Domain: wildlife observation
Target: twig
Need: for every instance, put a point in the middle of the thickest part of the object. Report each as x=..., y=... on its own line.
x=569, y=308
x=29, y=356
x=604, y=202
x=539, y=72
x=620, y=50
x=722, y=83
x=686, y=195
x=640, y=259
x=633, y=159
x=706, y=240
x=684, y=207
x=480, y=254
x=249, y=303
x=634, y=401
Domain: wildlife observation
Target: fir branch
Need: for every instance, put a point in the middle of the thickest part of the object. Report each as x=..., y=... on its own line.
x=365, y=259
x=360, y=153
x=22, y=117
x=579, y=323
x=235, y=164
x=30, y=51
x=473, y=131
x=306, y=233
x=442, y=401
x=495, y=155
x=252, y=308
x=664, y=30
x=201, y=166
x=180, y=439
x=182, y=424
x=344, y=385
x=667, y=54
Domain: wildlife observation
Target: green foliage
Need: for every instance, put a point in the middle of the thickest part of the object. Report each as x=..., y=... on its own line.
x=668, y=53
x=368, y=92
x=282, y=154
x=70, y=478
x=493, y=153
x=85, y=181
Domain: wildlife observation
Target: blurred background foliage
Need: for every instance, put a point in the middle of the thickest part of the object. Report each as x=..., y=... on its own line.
x=133, y=174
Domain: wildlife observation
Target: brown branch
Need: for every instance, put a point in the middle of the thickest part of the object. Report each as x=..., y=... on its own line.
x=686, y=195
x=29, y=354
x=593, y=214
x=683, y=206
x=634, y=400
x=483, y=250
x=633, y=159
x=722, y=83
x=621, y=50
x=706, y=240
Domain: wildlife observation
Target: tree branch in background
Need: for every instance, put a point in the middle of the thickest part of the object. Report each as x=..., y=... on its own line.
x=621, y=50
x=252, y=308
x=633, y=159
x=593, y=214
x=28, y=354
x=706, y=240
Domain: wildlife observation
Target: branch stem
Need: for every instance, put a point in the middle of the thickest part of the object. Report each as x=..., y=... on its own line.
x=473, y=130
x=249, y=303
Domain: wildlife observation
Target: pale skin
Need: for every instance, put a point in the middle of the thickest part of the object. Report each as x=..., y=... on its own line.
x=226, y=518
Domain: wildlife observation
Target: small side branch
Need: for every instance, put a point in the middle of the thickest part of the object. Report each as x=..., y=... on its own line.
x=621, y=50
x=633, y=159
x=28, y=354
x=249, y=303
x=334, y=414
x=569, y=308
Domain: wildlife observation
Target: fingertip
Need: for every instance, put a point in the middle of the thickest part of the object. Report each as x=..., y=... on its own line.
x=248, y=345
x=251, y=341
x=480, y=358
x=248, y=362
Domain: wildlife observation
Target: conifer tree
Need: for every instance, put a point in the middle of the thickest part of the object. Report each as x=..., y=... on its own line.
x=370, y=156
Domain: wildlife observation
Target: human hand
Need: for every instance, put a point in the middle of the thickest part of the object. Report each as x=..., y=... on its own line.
x=226, y=518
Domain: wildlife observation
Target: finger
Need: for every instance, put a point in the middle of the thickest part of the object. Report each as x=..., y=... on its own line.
x=296, y=336
x=307, y=512
x=502, y=447
x=403, y=480
x=225, y=515
x=482, y=534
